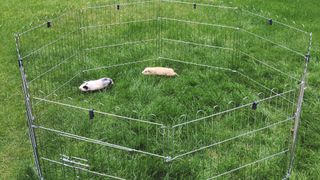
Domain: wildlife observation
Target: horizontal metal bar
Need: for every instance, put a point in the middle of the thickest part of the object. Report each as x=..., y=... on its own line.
x=73, y=162
x=221, y=68
x=283, y=24
x=271, y=67
x=226, y=69
x=241, y=74
x=73, y=157
x=73, y=136
x=121, y=4
x=196, y=64
x=236, y=28
x=235, y=8
x=120, y=23
x=200, y=4
x=219, y=47
x=199, y=23
x=80, y=168
x=117, y=65
x=33, y=28
x=98, y=112
x=44, y=23
x=272, y=42
x=196, y=44
x=250, y=164
x=121, y=44
x=233, y=138
x=94, y=141
x=233, y=109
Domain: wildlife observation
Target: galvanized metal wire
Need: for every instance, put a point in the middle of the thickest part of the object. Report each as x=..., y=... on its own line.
x=102, y=38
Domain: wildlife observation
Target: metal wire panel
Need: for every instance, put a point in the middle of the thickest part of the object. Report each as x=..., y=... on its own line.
x=228, y=114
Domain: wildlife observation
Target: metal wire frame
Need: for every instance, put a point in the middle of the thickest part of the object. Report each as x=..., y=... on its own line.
x=299, y=110
x=167, y=158
x=29, y=114
x=174, y=60
x=171, y=40
x=168, y=18
x=250, y=164
x=236, y=28
x=81, y=168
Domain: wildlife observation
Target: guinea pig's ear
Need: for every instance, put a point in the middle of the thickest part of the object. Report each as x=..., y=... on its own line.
x=85, y=87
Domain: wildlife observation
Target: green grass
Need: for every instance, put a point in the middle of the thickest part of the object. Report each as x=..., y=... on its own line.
x=15, y=151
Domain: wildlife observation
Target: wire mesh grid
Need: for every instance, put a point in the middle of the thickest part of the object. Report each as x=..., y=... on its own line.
x=229, y=113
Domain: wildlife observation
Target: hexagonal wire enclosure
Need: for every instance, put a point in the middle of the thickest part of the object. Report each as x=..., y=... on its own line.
x=229, y=113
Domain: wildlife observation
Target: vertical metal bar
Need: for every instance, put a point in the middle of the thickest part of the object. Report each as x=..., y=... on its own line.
x=168, y=143
x=172, y=151
x=163, y=131
x=158, y=27
x=298, y=111
x=29, y=114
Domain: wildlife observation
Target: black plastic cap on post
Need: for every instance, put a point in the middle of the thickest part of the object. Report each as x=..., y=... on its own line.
x=91, y=114
x=254, y=105
x=49, y=24
x=194, y=6
x=118, y=7
x=270, y=21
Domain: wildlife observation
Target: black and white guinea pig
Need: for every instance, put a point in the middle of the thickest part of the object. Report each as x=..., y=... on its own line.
x=95, y=85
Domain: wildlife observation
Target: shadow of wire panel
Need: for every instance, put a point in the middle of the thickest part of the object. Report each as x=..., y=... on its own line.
x=228, y=114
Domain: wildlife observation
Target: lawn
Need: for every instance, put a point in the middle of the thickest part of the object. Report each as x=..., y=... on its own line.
x=15, y=150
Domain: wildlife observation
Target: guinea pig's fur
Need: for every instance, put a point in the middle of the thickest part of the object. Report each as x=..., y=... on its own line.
x=95, y=85
x=160, y=71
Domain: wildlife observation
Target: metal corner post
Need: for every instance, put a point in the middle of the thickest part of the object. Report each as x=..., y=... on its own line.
x=298, y=111
x=29, y=114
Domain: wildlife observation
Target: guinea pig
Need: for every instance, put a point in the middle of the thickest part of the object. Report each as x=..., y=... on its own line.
x=95, y=85
x=160, y=71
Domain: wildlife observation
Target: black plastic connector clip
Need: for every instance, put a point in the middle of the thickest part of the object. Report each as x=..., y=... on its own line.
x=91, y=114
x=20, y=62
x=194, y=6
x=270, y=21
x=254, y=106
x=307, y=56
x=49, y=24
x=118, y=7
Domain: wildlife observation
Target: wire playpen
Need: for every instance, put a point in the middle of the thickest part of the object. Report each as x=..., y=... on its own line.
x=232, y=112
